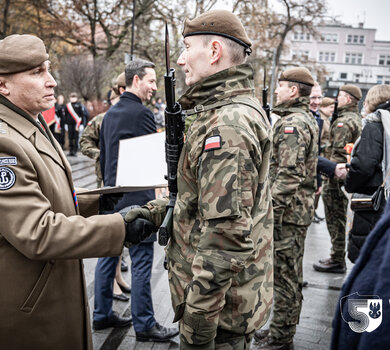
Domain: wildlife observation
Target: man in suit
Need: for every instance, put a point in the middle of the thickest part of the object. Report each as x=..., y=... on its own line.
x=45, y=230
x=129, y=118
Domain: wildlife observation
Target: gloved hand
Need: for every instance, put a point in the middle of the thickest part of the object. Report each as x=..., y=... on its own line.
x=137, y=227
x=107, y=202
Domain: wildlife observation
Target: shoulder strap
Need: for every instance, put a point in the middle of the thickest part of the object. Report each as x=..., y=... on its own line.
x=232, y=100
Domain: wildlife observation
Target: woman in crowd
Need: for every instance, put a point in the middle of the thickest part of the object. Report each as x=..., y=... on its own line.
x=370, y=161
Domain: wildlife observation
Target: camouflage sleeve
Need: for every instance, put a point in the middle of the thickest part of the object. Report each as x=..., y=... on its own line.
x=227, y=184
x=290, y=150
x=343, y=131
x=89, y=140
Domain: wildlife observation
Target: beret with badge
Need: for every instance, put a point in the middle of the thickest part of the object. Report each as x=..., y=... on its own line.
x=218, y=22
x=19, y=53
x=353, y=90
x=299, y=75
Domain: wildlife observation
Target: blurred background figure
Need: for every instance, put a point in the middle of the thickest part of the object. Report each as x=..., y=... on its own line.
x=370, y=161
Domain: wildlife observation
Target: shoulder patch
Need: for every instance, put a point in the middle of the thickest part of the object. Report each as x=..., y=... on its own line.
x=3, y=127
x=89, y=123
x=289, y=129
x=213, y=142
x=7, y=178
x=8, y=161
x=340, y=125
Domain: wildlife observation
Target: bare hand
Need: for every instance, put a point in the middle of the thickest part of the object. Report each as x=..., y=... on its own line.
x=319, y=189
x=341, y=171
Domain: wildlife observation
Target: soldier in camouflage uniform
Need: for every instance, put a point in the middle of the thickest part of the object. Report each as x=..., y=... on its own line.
x=89, y=140
x=220, y=253
x=346, y=128
x=292, y=174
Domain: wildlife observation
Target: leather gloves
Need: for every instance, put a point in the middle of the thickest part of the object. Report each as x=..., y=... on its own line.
x=137, y=224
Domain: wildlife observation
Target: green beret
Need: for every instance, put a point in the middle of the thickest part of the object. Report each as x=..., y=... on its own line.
x=121, y=81
x=327, y=101
x=218, y=22
x=353, y=90
x=299, y=75
x=19, y=53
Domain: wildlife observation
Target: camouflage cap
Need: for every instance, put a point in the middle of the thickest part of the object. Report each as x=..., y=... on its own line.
x=353, y=90
x=218, y=22
x=327, y=101
x=19, y=53
x=299, y=75
x=120, y=80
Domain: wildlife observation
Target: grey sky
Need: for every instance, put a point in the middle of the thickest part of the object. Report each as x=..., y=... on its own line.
x=374, y=14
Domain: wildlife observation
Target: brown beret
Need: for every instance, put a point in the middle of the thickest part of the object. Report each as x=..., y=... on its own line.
x=113, y=95
x=299, y=75
x=352, y=90
x=327, y=101
x=121, y=81
x=218, y=22
x=19, y=53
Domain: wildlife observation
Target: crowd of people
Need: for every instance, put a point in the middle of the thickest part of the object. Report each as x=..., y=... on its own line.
x=247, y=193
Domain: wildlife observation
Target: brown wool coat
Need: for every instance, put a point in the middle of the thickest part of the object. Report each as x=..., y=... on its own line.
x=43, y=300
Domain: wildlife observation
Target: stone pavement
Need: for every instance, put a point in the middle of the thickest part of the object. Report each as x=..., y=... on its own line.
x=320, y=297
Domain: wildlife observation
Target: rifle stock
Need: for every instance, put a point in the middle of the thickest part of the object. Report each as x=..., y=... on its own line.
x=266, y=106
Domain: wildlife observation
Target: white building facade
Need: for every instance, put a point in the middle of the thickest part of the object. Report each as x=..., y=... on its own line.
x=350, y=55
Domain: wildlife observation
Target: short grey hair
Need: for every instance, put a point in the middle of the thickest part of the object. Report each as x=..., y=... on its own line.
x=136, y=67
x=236, y=51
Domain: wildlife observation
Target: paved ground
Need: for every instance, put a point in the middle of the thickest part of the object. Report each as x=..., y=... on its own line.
x=320, y=297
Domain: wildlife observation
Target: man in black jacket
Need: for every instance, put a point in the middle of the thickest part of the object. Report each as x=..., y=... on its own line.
x=129, y=118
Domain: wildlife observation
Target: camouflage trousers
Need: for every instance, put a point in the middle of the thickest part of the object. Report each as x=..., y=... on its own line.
x=224, y=340
x=336, y=205
x=289, y=245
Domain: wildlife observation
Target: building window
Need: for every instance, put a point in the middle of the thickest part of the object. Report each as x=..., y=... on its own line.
x=354, y=58
x=325, y=56
x=301, y=36
x=329, y=38
x=343, y=75
x=356, y=77
x=383, y=79
x=300, y=54
x=384, y=60
x=355, y=39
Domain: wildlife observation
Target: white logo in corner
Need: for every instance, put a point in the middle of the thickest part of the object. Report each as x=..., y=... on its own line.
x=365, y=310
x=7, y=178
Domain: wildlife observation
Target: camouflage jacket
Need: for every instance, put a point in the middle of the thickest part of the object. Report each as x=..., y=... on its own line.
x=294, y=163
x=345, y=129
x=220, y=253
x=325, y=134
x=89, y=142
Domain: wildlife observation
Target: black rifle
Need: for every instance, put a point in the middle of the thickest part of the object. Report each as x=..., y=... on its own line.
x=174, y=129
x=266, y=106
x=336, y=104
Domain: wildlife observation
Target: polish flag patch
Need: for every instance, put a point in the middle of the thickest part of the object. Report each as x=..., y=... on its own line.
x=340, y=125
x=213, y=142
x=288, y=129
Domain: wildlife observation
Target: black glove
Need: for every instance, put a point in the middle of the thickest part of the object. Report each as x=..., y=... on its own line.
x=138, y=229
x=107, y=202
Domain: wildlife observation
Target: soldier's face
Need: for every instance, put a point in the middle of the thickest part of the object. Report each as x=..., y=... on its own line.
x=32, y=90
x=343, y=99
x=193, y=60
x=283, y=92
x=147, y=85
x=315, y=98
x=328, y=110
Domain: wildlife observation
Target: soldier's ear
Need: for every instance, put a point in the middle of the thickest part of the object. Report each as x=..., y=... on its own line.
x=216, y=51
x=294, y=90
x=4, y=90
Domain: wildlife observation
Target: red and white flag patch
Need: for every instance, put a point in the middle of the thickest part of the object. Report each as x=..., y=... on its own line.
x=213, y=142
x=340, y=125
x=289, y=129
